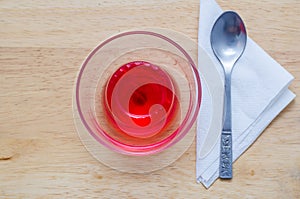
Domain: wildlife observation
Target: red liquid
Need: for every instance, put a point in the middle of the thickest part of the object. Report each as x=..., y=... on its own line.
x=140, y=103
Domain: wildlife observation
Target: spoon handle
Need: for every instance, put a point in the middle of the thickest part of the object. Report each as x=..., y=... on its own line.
x=226, y=155
x=226, y=136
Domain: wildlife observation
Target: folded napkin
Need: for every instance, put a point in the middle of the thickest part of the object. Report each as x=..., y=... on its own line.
x=259, y=93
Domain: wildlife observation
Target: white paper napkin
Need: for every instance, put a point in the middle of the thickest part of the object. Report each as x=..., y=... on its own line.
x=259, y=93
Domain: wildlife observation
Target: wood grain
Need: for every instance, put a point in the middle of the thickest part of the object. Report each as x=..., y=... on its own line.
x=42, y=45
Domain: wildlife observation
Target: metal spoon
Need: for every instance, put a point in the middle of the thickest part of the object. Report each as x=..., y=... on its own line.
x=228, y=41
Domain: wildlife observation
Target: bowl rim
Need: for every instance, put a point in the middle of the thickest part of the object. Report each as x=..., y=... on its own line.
x=184, y=126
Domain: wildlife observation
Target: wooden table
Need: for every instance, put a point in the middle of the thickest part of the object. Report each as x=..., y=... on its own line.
x=42, y=45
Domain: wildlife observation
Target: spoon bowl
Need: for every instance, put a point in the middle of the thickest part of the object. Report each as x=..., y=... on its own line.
x=228, y=38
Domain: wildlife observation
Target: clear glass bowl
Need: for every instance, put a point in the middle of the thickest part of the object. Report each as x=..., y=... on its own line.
x=138, y=93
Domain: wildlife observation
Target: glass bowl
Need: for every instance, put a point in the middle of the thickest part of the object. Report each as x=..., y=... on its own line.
x=138, y=93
